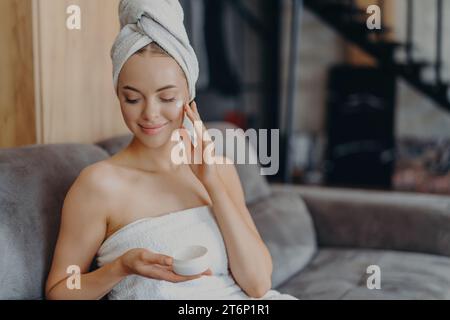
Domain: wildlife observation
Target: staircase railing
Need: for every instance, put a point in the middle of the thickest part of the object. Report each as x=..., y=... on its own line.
x=349, y=20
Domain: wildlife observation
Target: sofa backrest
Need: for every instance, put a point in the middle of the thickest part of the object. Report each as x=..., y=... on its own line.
x=33, y=183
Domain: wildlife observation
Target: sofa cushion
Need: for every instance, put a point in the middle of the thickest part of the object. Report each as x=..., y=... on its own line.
x=115, y=144
x=342, y=274
x=253, y=183
x=33, y=183
x=287, y=229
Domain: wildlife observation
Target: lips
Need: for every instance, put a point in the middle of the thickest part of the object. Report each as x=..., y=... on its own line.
x=154, y=127
x=152, y=130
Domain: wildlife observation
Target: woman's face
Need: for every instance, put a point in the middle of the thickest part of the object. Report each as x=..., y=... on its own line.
x=152, y=91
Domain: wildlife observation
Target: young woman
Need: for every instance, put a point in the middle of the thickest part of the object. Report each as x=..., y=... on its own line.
x=131, y=211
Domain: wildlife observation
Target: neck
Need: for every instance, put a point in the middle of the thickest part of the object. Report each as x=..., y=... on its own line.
x=155, y=160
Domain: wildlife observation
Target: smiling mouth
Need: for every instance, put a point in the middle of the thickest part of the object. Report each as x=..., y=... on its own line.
x=153, y=130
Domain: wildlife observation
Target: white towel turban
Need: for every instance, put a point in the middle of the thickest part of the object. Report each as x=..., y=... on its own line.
x=145, y=21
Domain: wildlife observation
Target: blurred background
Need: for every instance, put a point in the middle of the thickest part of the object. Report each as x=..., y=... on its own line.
x=355, y=107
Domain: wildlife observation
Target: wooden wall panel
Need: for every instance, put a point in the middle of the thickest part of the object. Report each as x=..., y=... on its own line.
x=17, y=114
x=78, y=103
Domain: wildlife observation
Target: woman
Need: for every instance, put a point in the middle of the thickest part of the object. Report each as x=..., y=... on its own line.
x=133, y=209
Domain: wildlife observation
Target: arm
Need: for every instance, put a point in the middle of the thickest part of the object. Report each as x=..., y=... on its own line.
x=249, y=258
x=82, y=230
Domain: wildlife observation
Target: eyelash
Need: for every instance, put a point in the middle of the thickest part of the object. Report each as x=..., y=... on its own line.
x=137, y=100
x=132, y=101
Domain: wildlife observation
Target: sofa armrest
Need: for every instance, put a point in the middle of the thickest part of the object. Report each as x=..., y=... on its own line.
x=377, y=219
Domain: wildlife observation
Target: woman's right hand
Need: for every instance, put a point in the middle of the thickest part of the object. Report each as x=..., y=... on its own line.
x=153, y=265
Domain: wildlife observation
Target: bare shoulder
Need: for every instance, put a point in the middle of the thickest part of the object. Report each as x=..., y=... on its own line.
x=96, y=177
x=94, y=185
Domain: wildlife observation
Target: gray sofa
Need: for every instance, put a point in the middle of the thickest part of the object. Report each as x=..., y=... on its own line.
x=322, y=240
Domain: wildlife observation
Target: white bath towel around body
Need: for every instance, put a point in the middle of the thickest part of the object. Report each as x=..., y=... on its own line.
x=164, y=234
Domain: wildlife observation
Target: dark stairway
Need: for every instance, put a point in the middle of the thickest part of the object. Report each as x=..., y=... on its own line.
x=349, y=21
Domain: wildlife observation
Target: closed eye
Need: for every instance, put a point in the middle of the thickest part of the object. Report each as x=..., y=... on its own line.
x=132, y=101
x=168, y=100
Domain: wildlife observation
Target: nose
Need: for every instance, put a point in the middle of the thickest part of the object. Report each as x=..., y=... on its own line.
x=152, y=111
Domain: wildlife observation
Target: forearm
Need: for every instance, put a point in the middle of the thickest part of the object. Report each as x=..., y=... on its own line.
x=94, y=285
x=249, y=259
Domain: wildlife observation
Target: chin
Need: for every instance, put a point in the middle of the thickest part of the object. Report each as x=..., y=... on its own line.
x=149, y=142
x=154, y=141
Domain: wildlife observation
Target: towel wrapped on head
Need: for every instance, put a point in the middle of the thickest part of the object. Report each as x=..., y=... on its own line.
x=145, y=21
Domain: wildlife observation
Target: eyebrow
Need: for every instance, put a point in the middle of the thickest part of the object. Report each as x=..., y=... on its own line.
x=170, y=86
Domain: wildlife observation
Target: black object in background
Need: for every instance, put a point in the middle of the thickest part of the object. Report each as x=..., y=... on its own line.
x=222, y=76
x=360, y=127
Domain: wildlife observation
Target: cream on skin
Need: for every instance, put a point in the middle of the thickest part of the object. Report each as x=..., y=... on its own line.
x=187, y=124
x=179, y=104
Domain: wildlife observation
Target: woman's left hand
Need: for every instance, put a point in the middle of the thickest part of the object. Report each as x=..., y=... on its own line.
x=202, y=163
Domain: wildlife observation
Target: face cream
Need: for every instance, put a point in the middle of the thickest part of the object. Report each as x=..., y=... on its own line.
x=191, y=260
x=179, y=104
